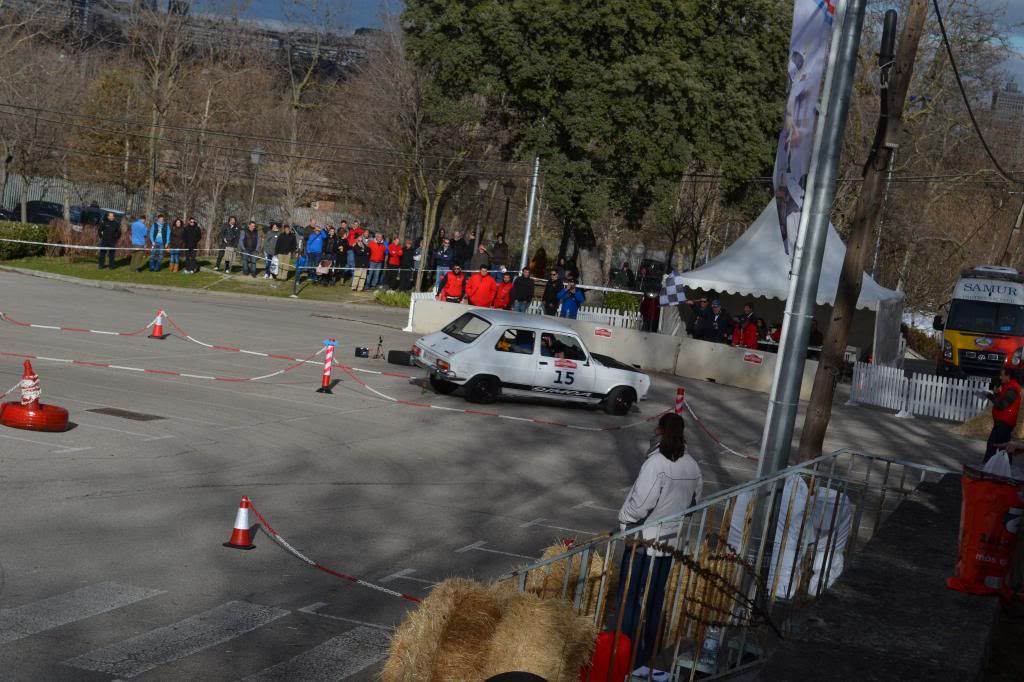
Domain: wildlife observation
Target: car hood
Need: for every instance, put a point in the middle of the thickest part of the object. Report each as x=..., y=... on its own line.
x=612, y=363
x=441, y=344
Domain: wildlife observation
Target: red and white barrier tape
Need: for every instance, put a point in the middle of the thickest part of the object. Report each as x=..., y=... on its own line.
x=715, y=438
x=7, y=318
x=285, y=545
x=299, y=362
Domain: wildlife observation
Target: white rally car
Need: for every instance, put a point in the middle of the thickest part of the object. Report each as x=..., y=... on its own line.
x=496, y=352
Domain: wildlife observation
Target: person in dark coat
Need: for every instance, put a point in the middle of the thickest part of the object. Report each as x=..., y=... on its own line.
x=550, y=297
x=191, y=235
x=522, y=292
x=650, y=313
x=109, y=232
x=407, y=266
x=285, y=249
x=719, y=324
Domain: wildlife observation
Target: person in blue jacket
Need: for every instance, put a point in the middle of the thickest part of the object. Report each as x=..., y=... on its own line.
x=571, y=299
x=139, y=233
x=159, y=237
x=314, y=250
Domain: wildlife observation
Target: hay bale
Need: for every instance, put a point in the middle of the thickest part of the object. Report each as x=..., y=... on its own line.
x=979, y=427
x=548, y=581
x=447, y=637
x=540, y=636
x=467, y=631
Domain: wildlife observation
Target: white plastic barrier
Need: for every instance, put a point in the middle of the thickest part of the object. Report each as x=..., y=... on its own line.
x=924, y=395
x=609, y=317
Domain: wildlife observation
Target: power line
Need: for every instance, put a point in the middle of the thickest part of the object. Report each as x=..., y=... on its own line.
x=967, y=102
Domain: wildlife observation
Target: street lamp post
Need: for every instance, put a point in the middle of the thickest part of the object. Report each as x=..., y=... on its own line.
x=510, y=188
x=482, y=183
x=255, y=157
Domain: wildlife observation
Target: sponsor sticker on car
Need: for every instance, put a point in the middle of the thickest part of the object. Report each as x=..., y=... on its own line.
x=753, y=358
x=567, y=364
x=601, y=331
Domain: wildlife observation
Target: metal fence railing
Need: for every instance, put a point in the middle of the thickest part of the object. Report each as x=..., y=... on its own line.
x=728, y=597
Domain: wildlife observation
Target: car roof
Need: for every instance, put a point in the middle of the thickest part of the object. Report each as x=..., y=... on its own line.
x=509, y=318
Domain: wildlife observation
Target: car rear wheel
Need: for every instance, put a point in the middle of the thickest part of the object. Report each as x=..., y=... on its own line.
x=441, y=386
x=619, y=401
x=483, y=389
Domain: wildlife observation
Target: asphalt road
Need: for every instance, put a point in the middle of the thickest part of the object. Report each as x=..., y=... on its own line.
x=112, y=565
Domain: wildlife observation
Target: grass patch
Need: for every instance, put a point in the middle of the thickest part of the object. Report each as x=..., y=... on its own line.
x=206, y=278
x=396, y=299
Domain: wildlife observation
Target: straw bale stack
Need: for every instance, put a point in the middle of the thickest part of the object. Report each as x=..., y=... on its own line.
x=548, y=581
x=981, y=426
x=467, y=631
x=540, y=636
x=447, y=637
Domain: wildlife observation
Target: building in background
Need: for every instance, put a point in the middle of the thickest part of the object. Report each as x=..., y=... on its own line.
x=1006, y=125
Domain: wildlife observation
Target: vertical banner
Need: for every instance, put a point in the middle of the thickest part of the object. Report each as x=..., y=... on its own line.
x=808, y=56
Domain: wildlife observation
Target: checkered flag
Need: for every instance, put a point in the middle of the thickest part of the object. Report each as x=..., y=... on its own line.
x=672, y=291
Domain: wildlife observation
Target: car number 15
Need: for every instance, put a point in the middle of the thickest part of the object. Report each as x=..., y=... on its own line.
x=563, y=377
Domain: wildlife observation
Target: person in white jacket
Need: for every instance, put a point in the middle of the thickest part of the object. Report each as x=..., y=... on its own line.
x=669, y=483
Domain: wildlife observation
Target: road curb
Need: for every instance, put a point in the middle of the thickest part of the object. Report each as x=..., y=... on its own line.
x=123, y=286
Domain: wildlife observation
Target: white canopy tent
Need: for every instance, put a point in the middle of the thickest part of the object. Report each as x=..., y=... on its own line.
x=756, y=265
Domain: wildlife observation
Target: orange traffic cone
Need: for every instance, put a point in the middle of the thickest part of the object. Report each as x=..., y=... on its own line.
x=158, y=327
x=29, y=413
x=243, y=534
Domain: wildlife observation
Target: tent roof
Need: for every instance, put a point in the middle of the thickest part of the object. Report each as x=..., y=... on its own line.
x=756, y=265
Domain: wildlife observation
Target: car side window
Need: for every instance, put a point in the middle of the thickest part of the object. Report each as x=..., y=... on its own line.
x=561, y=346
x=516, y=341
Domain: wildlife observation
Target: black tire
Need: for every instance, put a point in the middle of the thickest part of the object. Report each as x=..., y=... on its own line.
x=619, y=401
x=441, y=386
x=483, y=389
x=400, y=357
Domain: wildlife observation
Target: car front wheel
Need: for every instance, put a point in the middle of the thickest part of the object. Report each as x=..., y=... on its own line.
x=619, y=401
x=483, y=389
x=441, y=386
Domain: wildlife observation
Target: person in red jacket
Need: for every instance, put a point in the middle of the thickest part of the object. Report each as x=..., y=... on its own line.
x=452, y=287
x=1005, y=409
x=744, y=332
x=394, y=261
x=503, y=296
x=378, y=251
x=481, y=288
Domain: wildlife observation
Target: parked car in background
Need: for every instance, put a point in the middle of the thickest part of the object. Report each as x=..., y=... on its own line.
x=42, y=212
x=90, y=216
x=9, y=215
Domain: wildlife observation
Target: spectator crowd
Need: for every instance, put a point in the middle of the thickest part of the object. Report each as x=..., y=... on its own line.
x=709, y=321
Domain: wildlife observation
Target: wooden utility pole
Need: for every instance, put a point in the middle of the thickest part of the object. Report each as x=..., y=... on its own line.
x=869, y=207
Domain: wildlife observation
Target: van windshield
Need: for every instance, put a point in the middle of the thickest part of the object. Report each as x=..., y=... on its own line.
x=985, y=317
x=466, y=328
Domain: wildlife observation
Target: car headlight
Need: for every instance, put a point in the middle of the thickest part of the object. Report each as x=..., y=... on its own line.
x=1016, y=357
x=947, y=350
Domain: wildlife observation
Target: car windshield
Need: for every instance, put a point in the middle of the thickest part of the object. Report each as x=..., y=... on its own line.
x=467, y=328
x=986, y=317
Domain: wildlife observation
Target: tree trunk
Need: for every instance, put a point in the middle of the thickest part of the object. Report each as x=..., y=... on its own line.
x=430, y=206
x=869, y=208
x=151, y=184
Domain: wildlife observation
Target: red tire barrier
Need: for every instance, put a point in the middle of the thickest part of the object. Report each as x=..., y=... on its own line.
x=37, y=417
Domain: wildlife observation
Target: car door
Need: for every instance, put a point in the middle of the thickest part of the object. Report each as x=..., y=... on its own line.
x=513, y=358
x=563, y=367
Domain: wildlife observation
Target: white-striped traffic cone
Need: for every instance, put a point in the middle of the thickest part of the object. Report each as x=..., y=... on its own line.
x=158, y=327
x=680, y=400
x=243, y=533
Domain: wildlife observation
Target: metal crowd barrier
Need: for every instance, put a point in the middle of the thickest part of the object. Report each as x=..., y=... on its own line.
x=728, y=599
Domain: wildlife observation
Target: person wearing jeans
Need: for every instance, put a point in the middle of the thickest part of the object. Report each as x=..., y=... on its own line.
x=522, y=292
x=669, y=482
x=177, y=244
x=378, y=252
x=159, y=236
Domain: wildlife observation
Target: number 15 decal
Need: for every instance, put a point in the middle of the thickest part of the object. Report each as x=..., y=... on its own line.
x=564, y=377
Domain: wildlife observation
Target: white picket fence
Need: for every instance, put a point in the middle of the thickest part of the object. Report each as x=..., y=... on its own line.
x=924, y=395
x=609, y=317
